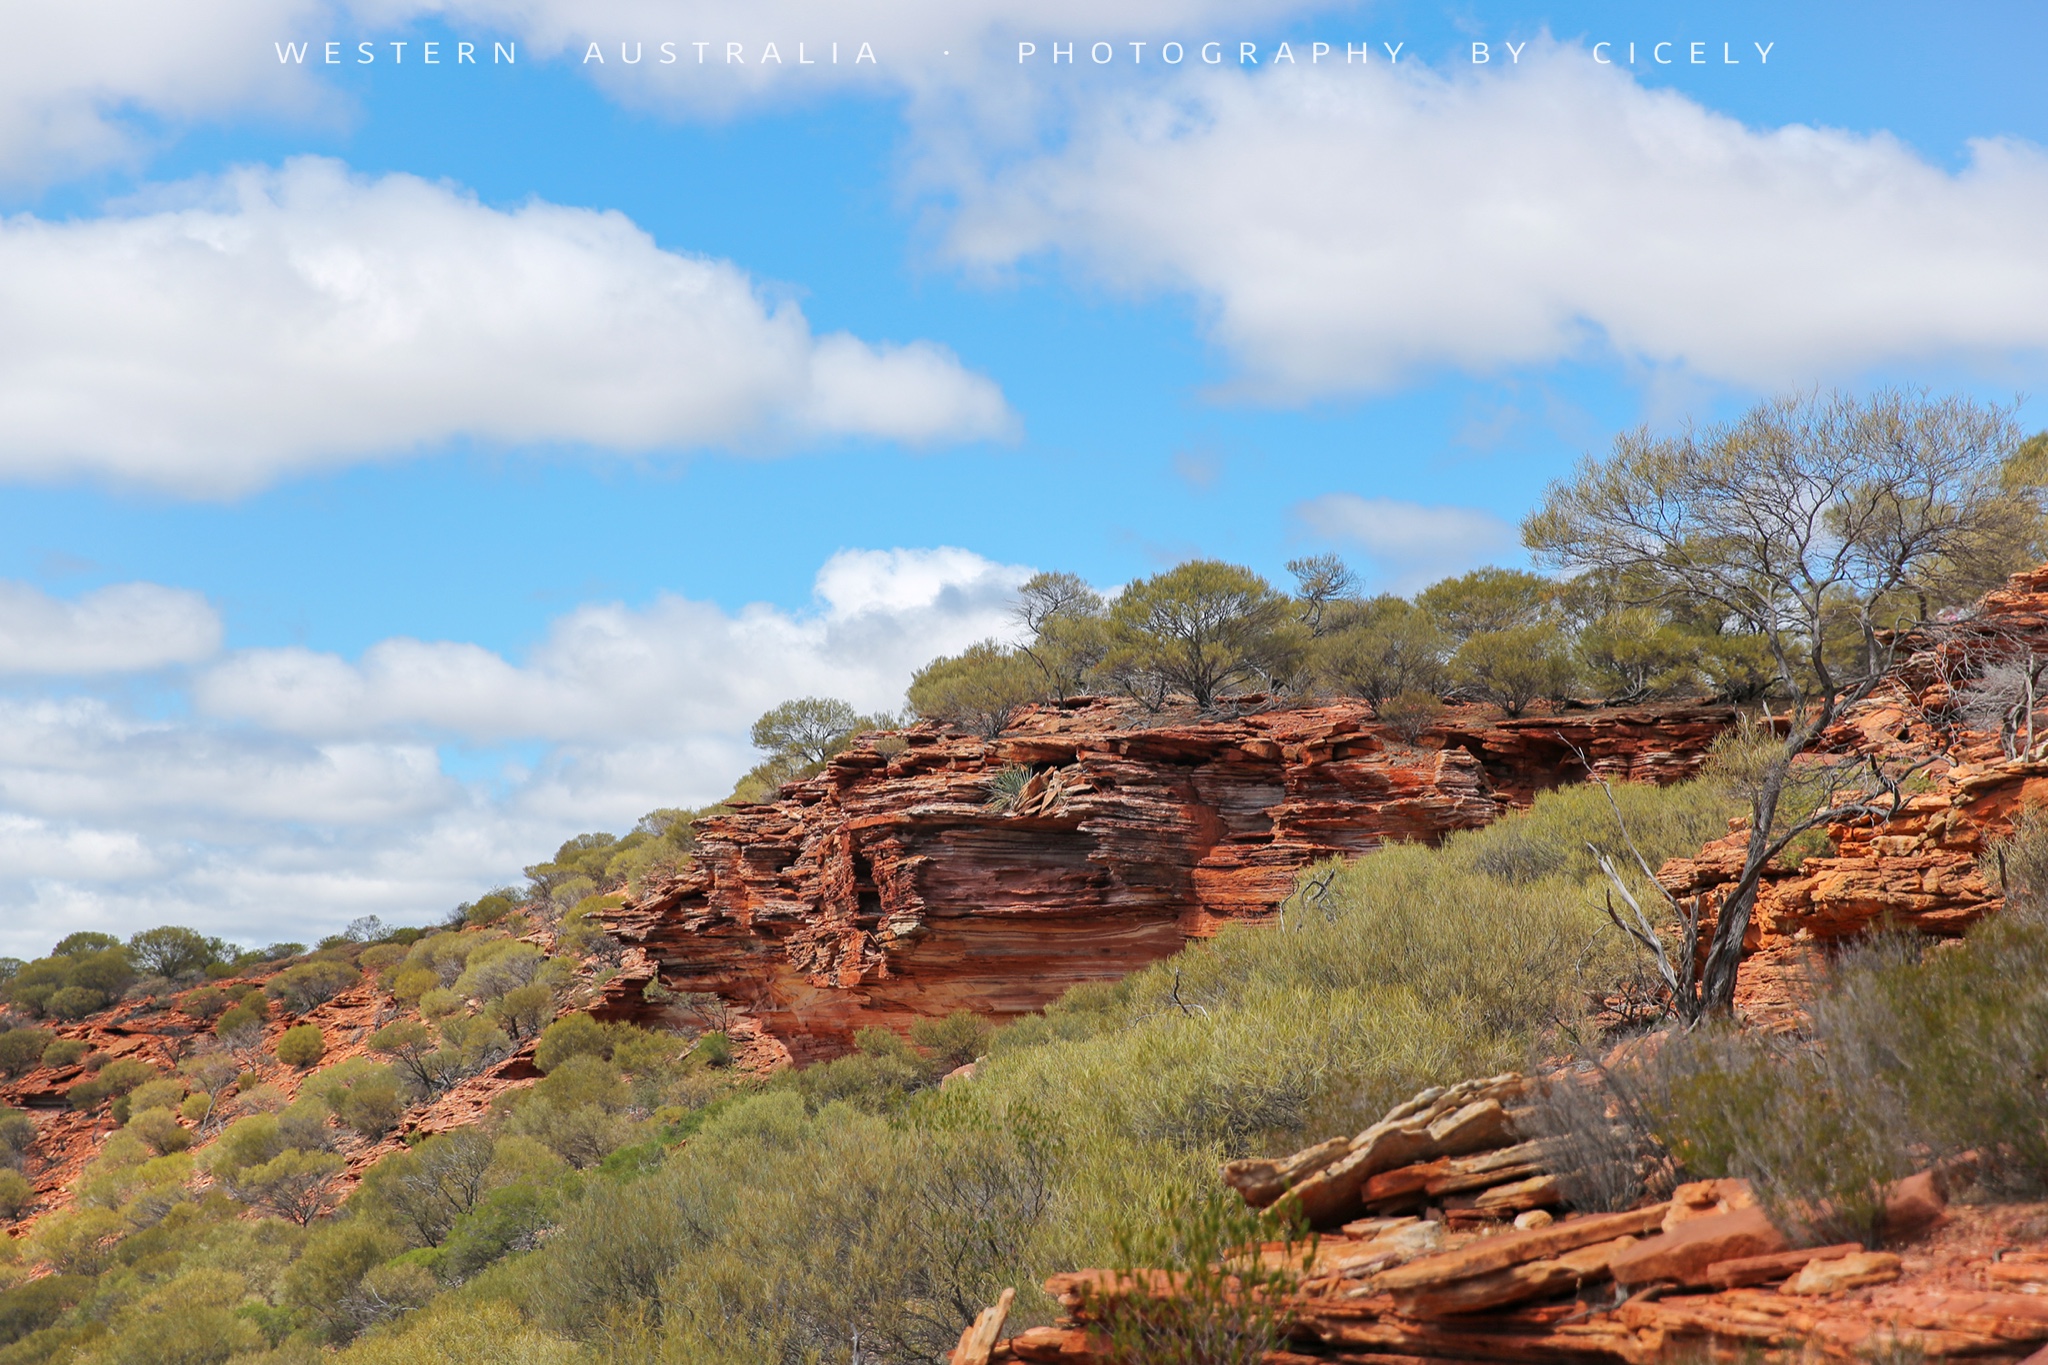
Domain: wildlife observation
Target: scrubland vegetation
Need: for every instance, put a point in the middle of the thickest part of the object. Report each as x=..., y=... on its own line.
x=1915, y=1054
x=645, y=1201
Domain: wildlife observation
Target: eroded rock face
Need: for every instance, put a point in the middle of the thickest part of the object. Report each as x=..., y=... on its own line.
x=887, y=888
x=1920, y=869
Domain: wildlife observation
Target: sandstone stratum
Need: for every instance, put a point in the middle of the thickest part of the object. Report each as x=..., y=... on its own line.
x=889, y=887
x=1444, y=1231
x=1444, y=1238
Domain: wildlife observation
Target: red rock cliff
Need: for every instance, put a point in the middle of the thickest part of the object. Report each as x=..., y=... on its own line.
x=1920, y=869
x=887, y=888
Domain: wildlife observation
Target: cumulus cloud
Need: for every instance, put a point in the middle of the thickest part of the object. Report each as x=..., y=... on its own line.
x=304, y=789
x=1408, y=544
x=607, y=672
x=74, y=78
x=1347, y=227
x=121, y=629
x=298, y=317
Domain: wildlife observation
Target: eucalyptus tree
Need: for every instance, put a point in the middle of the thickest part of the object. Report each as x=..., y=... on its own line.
x=1822, y=524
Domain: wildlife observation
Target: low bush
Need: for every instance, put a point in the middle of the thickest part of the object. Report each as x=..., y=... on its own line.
x=65, y=1052
x=954, y=1040
x=364, y=1096
x=16, y=1194
x=160, y=1092
x=1912, y=1053
x=161, y=1130
x=572, y=1035
x=22, y=1049
x=116, y=1078
x=302, y=987
x=205, y=1004
x=74, y=1002
x=1232, y=1269
x=239, y=1027
x=17, y=1136
x=30, y=1307
x=301, y=1046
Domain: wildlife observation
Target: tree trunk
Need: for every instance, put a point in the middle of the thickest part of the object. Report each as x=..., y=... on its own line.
x=1724, y=952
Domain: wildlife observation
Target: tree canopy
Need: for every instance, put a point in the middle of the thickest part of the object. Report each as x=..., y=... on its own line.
x=1817, y=525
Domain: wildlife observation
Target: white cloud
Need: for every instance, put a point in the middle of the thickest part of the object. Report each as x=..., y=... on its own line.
x=82, y=86
x=121, y=629
x=1410, y=545
x=607, y=673
x=75, y=78
x=1347, y=227
x=305, y=789
x=279, y=320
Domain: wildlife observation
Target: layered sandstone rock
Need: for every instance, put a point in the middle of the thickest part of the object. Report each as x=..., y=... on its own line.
x=888, y=887
x=1920, y=869
x=1703, y=1275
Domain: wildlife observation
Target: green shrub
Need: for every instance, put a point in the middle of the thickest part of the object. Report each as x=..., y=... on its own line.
x=489, y=909
x=1911, y=1054
x=189, y=1321
x=509, y=1219
x=573, y=1035
x=364, y=1096
x=65, y=1052
x=22, y=1049
x=301, y=1046
x=74, y=1002
x=410, y=983
x=161, y=1130
x=205, y=1004
x=1409, y=714
x=303, y=1124
x=326, y=1279
x=249, y=1141
x=423, y=1191
x=382, y=956
x=441, y=1003
x=174, y=951
x=1227, y=1306
x=238, y=1026
x=577, y=1110
x=497, y=967
x=116, y=1078
x=308, y=984
x=15, y=1195
x=953, y=1041
x=37, y=1304
x=523, y=1011
x=161, y=1092
x=714, y=1050
x=17, y=1135
x=295, y=1185
x=979, y=690
x=95, y=971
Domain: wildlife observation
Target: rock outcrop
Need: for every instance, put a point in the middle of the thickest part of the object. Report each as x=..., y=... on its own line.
x=1921, y=869
x=890, y=887
x=1419, y=1263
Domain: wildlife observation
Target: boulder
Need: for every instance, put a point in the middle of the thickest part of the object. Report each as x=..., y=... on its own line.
x=1837, y=1275
x=1686, y=1254
x=1748, y=1270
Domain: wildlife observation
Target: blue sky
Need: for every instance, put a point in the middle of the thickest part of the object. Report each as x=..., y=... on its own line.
x=408, y=467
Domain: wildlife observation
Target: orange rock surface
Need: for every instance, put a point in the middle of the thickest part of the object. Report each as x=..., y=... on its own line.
x=1921, y=868
x=886, y=887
